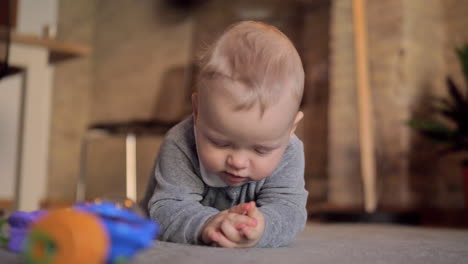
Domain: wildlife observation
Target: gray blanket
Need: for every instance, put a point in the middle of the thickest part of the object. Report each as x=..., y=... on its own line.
x=324, y=244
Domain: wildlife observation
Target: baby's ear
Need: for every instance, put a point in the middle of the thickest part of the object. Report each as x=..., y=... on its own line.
x=195, y=106
x=297, y=119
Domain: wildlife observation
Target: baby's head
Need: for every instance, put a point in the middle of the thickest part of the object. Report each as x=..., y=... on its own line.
x=250, y=87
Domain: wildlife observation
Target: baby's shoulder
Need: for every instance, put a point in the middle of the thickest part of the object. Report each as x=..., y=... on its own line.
x=181, y=137
x=294, y=147
x=292, y=159
x=181, y=131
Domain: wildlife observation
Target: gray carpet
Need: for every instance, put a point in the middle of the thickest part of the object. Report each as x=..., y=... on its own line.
x=325, y=244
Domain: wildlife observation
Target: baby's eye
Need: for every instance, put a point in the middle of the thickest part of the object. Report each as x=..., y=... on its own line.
x=220, y=144
x=262, y=151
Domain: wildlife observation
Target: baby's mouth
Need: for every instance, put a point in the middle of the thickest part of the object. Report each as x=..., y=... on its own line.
x=234, y=178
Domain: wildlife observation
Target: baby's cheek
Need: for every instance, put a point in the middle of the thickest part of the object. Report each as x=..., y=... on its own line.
x=262, y=170
x=265, y=167
x=212, y=159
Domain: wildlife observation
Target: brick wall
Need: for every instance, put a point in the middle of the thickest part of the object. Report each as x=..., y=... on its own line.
x=343, y=156
x=73, y=82
x=138, y=53
x=315, y=56
x=410, y=53
x=139, y=49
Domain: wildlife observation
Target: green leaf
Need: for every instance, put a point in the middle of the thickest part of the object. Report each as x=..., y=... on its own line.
x=453, y=109
x=457, y=95
x=432, y=129
x=463, y=58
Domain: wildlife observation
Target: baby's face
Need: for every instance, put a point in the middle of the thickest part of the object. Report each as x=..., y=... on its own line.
x=241, y=146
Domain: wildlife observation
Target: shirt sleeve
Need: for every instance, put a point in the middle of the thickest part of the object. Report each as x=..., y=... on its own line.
x=282, y=200
x=175, y=203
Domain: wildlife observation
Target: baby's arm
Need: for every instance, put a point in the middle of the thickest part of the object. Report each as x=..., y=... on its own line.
x=175, y=203
x=282, y=200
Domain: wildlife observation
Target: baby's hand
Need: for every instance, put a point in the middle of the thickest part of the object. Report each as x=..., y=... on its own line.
x=251, y=234
x=225, y=227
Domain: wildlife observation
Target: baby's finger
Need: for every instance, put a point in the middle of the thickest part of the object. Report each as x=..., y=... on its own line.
x=249, y=233
x=230, y=232
x=213, y=236
x=239, y=221
x=224, y=242
x=252, y=209
x=250, y=205
x=238, y=209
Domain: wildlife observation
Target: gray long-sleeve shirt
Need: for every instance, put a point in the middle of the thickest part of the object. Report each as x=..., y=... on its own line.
x=182, y=202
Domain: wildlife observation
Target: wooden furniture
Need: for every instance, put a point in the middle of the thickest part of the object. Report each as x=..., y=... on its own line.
x=366, y=129
x=130, y=130
x=33, y=56
x=58, y=50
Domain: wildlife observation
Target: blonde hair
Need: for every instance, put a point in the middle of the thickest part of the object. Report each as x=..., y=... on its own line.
x=260, y=58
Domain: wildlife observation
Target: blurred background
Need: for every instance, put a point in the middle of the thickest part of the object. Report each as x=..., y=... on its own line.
x=127, y=66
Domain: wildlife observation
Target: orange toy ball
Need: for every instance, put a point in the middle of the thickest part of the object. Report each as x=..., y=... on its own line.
x=67, y=236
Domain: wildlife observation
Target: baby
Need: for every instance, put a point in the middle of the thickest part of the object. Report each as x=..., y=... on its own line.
x=232, y=174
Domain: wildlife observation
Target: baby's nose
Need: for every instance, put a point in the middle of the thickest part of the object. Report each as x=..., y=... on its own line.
x=237, y=161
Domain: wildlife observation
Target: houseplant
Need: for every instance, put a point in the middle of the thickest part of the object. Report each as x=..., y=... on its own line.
x=451, y=129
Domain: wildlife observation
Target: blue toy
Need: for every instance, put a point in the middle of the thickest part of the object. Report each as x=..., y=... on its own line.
x=92, y=233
